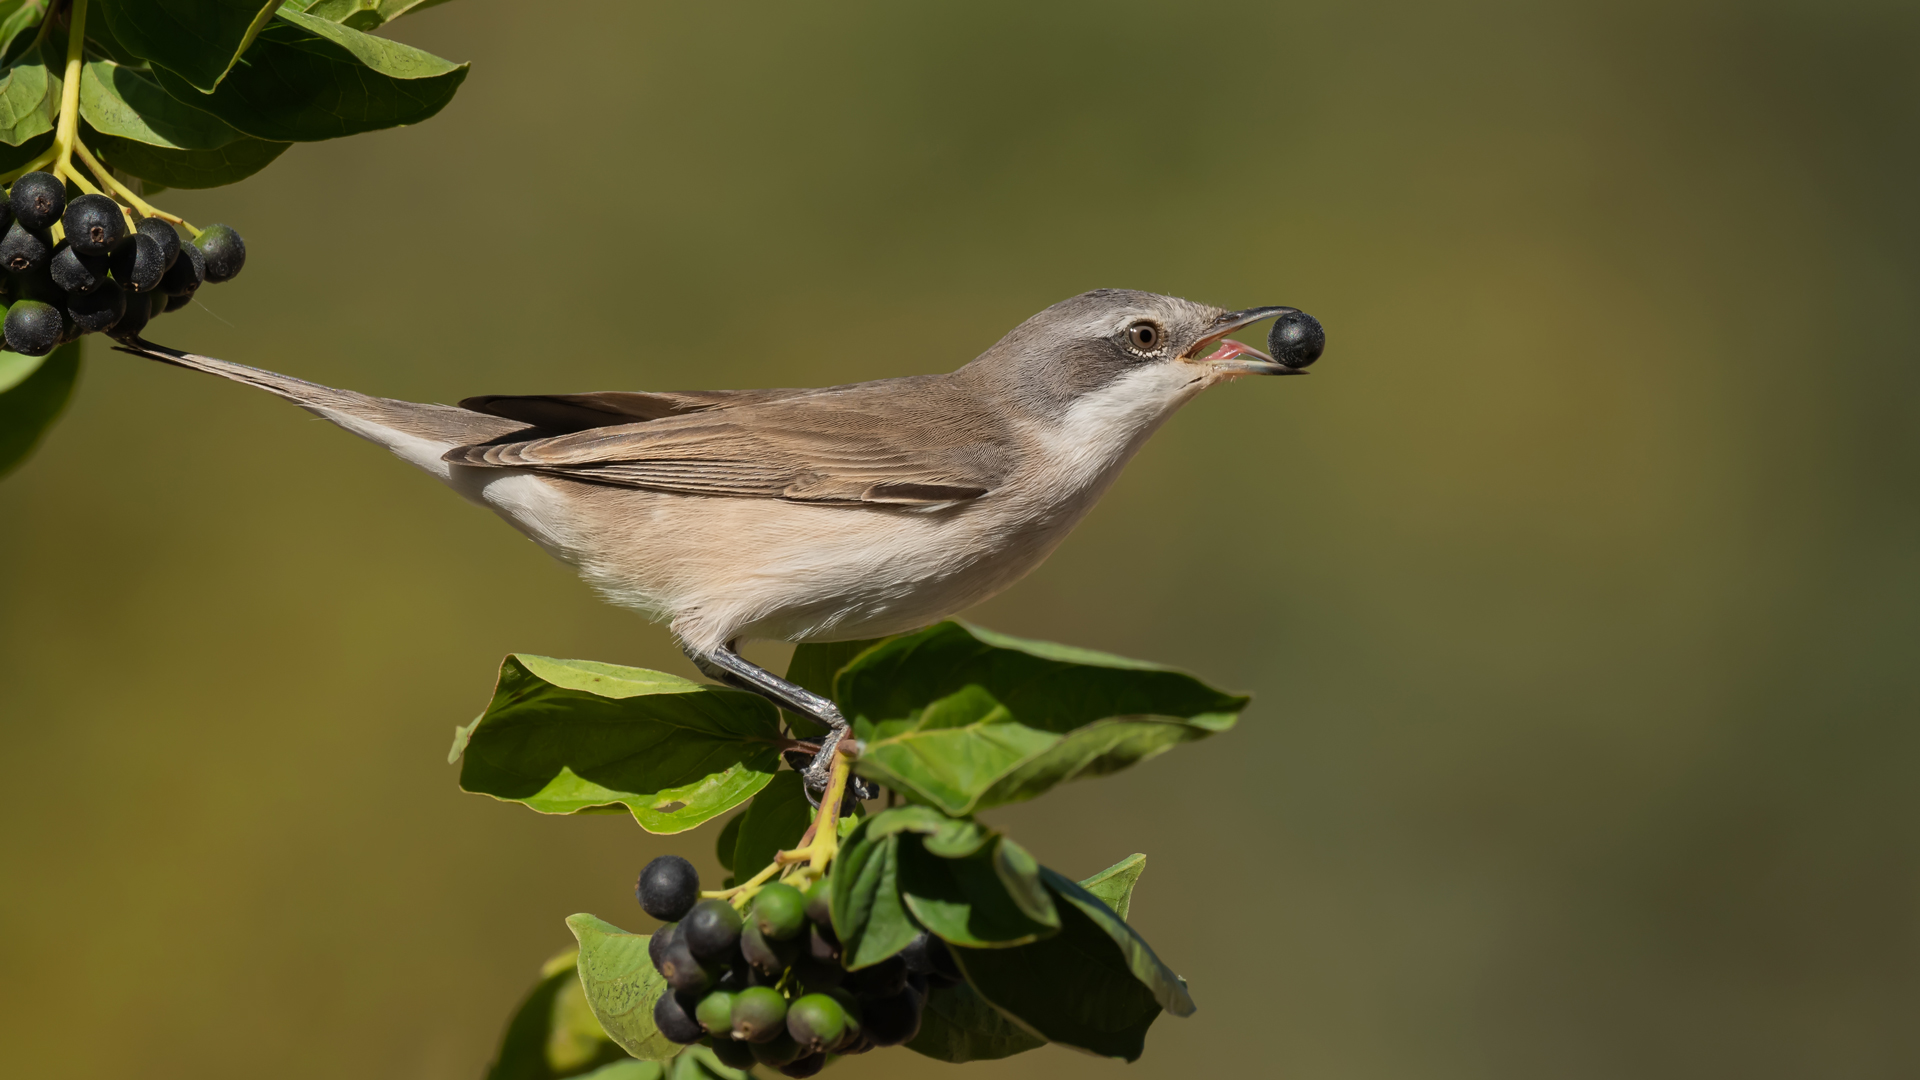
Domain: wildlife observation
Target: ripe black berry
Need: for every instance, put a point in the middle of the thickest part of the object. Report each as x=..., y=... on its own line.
x=891, y=1020
x=687, y=976
x=226, y=253
x=817, y=1022
x=778, y=1051
x=806, y=1066
x=94, y=224
x=780, y=911
x=1297, y=339
x=759, y=1014
x=33, y=328
x=97, y=310
x=733, y=1054
x=75, y=272
x=674, y=1022
x=711, y=931
x=884, y=979
x=181, y=279
x=175, y=303
x=24, y=249
x=669, y=886
x=37, y=200
x=138, y=263
x=767, y=957
x=162, y=234
x=139, y=313
x=657, y=945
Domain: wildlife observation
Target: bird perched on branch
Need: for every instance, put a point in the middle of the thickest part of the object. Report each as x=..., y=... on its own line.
x=831, y=514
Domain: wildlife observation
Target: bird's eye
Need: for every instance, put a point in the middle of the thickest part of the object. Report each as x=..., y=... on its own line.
x=1143, y=336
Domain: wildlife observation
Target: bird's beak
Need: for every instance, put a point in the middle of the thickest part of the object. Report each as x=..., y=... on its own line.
x=1233, y=358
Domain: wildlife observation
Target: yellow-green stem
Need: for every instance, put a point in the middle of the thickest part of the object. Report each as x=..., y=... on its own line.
x=69, y=125
x=815, y=854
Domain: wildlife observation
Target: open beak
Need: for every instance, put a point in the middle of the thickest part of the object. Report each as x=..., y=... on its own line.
x=1233, y=358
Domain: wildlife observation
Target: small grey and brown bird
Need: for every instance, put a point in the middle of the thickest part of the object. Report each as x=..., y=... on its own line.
x=822, y=515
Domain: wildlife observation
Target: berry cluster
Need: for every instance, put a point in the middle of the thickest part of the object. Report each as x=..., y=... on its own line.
x=767, y=986
x=99, y=276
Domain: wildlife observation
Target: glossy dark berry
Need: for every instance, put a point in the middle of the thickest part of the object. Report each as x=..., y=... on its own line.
x=669, y=886
x=94, y=224
x=715, y=1013
x=780, y=911
x=657, y=945
x=806, y=1066
x=162, y=234
x=778, y=1051
x=182, y=278
x=1297, y=339
x=24, y=250
x=139, y=314
x=711, y=931
x=688, y=976
x=767, y=957
x=759, y=1014
x=733, y=1053
x=820, y=902
x=884, y=979
x=138, y=263
x=75, y=272
x=97, y=310
x=891, y=1020
x=37, y=200
x=175, y=303
x=33, y=328
x=675, y=1022
x=226, y=253
x=817, y=1022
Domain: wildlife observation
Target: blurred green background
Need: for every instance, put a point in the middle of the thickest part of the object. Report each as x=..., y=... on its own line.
x=1578, y=586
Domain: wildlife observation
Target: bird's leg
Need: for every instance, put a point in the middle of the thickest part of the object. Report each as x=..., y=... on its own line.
x=729, y=667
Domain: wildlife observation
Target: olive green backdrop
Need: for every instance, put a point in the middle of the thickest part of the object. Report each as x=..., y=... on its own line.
x=1578, y=585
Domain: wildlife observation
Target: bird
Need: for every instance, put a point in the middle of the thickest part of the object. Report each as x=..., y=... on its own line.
x=836, y=513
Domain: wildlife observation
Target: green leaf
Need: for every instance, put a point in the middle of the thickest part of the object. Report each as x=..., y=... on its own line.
x=306, y=79
x=958, y=1025
x=29, y=99
x=621, y=986
x=31, y=406
x=967, y=901
x=868, y=914
x=16, y=18
x=13, y=157
x=553, y=1033
x=627, y=1070
x=129, y=104
x=221, y=165
x=362, y=14
x=1114, y=885
x=774, y=821
x=962, y=718
x=814, y=667
x=565, y=736
x=729, y=836
x=699, y=1063
x=198, y=40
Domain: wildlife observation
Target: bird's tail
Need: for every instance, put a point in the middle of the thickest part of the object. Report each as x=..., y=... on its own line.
x=416, y=432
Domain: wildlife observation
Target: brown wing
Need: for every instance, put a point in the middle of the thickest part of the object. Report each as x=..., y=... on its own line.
x=578, y=412
x=871, y=443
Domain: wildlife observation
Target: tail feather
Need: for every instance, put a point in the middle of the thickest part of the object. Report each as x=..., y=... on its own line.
x=419, y=433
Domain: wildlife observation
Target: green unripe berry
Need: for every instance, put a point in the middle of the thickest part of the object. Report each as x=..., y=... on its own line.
x=780, y=911
x=768, y=958
x=715, y=1013
x=820, y=902
x=817, y=1022
x=759, y=1014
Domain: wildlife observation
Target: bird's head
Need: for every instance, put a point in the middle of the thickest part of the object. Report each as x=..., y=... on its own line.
x=1122, y=344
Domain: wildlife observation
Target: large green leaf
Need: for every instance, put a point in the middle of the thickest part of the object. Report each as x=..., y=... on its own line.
x=29, y=99
x=565, y=736
x=31, y=405
x=627, y=1070
x=362, y=14
x=227, y=164
x=868, y=914
x=968, y=901
x=697, y=1062
x=963, y=718
x=958, y=1025
x=198, y=40
x=774, y=821
x=16, y=18
x=306, y=79
x=553, y=1033
x=13, y=157
x=621, y=986
x=120, y=101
